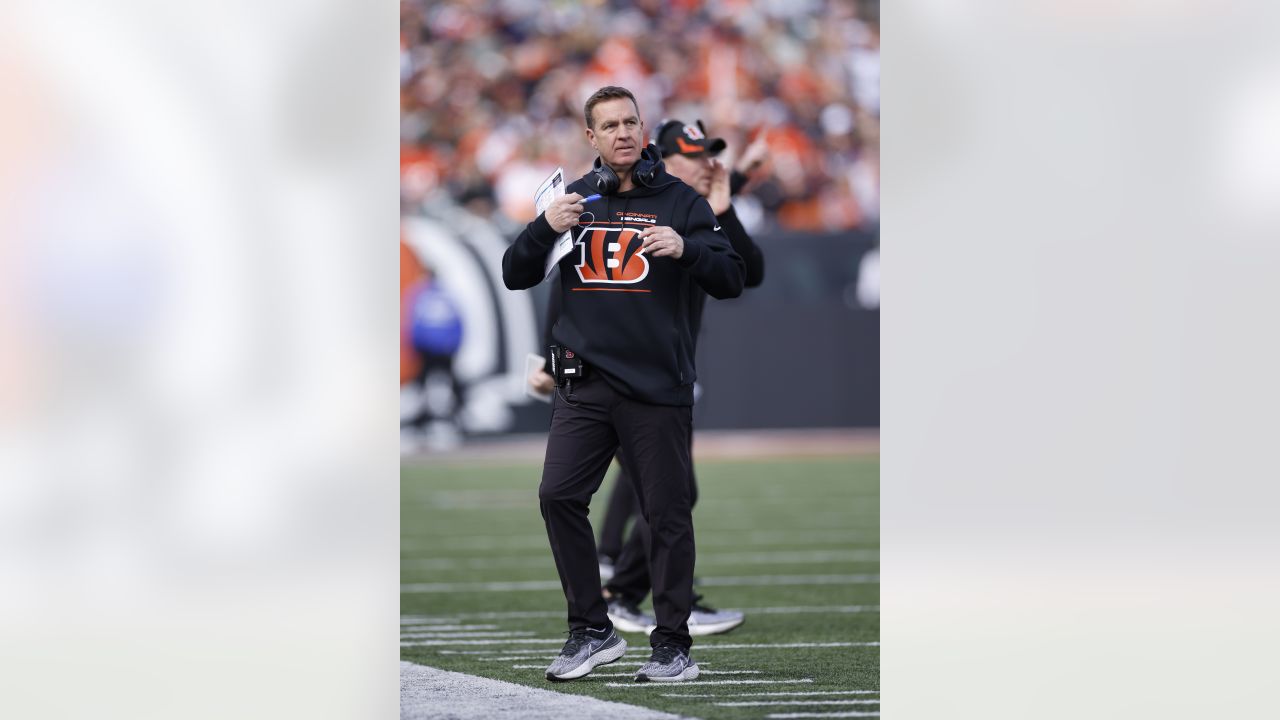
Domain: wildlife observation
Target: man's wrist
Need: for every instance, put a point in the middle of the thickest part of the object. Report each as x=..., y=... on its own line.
x=542, y=231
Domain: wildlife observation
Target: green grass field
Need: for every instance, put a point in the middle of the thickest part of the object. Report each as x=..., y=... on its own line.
x=794, y=543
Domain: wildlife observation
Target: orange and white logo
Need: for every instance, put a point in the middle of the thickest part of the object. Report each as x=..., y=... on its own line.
x=611, y=256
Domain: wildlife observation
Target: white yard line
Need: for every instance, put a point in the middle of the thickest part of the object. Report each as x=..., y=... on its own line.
x=696, y=648
x=630, y=673
x=757, y=580
x=731, y=581
x=796, y=715
x=472, y=542
x=780, y=694
x=447, y=635
x=511, y=615
x=511, y=641
x=430, y=694
x=710, y=537
x=746, y=646
x=428, y=627
x=811, y=609
x=764, y=703
x=801, y=557
x=509, y=658
x=791, y=556
x=453, y=587
x=544, y=667
x=521, y=614
x=716, y=682
x=736, y=537
x=612, y=665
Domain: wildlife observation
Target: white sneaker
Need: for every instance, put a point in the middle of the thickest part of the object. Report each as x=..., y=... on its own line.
x=668, y=663
x=704, y=620
x=585, y=651
x=627, y=617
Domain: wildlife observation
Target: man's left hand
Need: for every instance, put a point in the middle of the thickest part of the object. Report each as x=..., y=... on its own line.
x=661, y=241
x=718, y=197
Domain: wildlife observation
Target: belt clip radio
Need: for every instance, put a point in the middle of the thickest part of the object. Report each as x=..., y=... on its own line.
x=566, y=366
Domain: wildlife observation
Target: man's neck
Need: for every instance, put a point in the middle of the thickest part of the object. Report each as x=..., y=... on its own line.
x=624, y=175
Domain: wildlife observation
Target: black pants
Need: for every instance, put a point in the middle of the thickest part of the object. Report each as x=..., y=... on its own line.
x=587, y=427
x=622, y=506
x=631, y=568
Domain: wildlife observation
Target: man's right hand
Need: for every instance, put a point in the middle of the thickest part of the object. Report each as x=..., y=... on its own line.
x=563, y=212
x=541, y=381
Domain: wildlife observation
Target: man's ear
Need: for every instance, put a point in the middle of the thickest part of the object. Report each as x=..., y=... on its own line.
x=591, y=138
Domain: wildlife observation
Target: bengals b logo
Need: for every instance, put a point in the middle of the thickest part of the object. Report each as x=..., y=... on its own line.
x=610, y=255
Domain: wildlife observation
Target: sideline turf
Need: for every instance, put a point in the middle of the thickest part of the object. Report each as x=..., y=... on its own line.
x=481, y=524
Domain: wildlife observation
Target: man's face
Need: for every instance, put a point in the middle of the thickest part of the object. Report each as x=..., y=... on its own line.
x=694, y=170
x=617, y=132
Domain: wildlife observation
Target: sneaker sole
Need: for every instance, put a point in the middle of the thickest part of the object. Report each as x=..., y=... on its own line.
x=714, y=628
x=698, y=630
x=690, y=673
x=625, y=625
x=601, y=657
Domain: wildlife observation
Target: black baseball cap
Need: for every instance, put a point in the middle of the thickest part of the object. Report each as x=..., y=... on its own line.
x=678, y=138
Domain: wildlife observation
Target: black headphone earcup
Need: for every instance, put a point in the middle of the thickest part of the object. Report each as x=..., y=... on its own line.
x=604, y=179
x=647, y=168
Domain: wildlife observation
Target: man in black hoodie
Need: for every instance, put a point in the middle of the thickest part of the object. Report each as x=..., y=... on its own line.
x=643, y=249
x=688, y=154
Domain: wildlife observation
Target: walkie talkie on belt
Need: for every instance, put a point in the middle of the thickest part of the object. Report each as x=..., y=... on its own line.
x=566, y=366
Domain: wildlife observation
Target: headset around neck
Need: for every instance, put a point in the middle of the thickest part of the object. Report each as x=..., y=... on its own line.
x=605, y=181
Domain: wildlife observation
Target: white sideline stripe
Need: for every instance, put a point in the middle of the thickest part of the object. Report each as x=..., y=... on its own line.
x=746, y=646
x=430, y=628
x=697, y=648
x=738, y=581
x=505, y=641
x=715, y=537
x=781, y=694
x=630, y=673
x=450, y=587
x=764, y=703
x=717, y=682
x=790, y=715
x=755, y=580
x=816, y=536
x=544, y=557
x=612, y=664
x=513, y=615
x=430, y=694
x=445, y=635
x=509, y=658
x=474, y=542
x=812, y=609
x=791, y=556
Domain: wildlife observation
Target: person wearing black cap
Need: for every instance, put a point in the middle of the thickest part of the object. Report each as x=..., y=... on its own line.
x=689, y=155
x=648, y=244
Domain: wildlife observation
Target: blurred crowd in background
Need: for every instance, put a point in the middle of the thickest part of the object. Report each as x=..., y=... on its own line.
x=492, y=93
x=491, y=103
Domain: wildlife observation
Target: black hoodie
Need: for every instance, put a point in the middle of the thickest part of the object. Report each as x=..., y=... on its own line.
x=628, y=315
